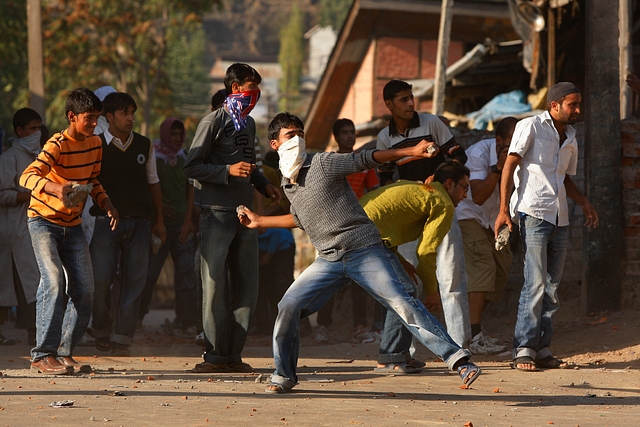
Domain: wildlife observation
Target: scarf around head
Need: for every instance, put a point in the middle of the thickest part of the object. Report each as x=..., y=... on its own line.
x=166, y=150
x=239, y=105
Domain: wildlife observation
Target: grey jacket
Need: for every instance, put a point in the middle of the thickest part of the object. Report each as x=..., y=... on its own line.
x=216, y=146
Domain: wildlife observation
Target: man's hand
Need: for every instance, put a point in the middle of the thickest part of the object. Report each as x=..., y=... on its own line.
x=59, y=190
x=432, y=302
x=426, y=149
x=160, y=231
x=410, y=269
x=248, y=219
x=503, y=218
x=241, y=169
x=634, y=82
x=187, y=227
x=274, y=194
x=112, y=213
x=592, y=220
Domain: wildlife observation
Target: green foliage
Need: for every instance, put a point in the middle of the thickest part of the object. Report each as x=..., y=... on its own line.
x=291, y=59
x=13, y=61
x=334, y=12
x=124, y=44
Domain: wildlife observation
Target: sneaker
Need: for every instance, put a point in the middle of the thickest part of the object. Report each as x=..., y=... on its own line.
x=482, y=346
x=373, y=337
x=321, y=335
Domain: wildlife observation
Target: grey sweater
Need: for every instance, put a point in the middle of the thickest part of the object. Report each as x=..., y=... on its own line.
x=324, y=205
x=217, y=145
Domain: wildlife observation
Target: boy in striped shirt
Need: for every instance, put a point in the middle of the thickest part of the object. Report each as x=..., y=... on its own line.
x=69, y=157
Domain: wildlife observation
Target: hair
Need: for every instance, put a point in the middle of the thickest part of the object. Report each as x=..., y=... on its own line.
x=240, y=73
x=339, y=124
x=118, y=101
x=23, y=117
x=283, y=120
x=82, y=100
x=450, y=170
x=505, y=127
x=177, y=124
x=392, y=88
x=218, y=99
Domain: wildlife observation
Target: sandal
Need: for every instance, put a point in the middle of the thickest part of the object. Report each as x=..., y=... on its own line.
x=397, y=369
x=210, y=368
x=524, y=360
x=415, y=363
x=275, y=388
x=240, y=367
x=103, y=343
x=468, y=372
x=551, y=362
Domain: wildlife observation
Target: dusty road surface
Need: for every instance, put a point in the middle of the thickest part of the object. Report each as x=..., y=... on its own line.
x=338, y=386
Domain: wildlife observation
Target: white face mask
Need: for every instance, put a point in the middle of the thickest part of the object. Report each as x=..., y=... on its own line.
x=292, y=156
x=31, y=143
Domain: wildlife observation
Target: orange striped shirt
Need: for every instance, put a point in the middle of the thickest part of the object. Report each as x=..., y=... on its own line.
x=63, y=160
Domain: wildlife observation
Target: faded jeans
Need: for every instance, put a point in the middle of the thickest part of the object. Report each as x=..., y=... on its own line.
x=379, y=272
x=58, y=250
x=129, y=243
x=452, y=282
x=228, y=301
x=545, y=250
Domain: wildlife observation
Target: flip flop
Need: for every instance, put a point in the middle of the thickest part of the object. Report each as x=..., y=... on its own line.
x=7, y=341
x=103, y=343
x=551, y=362
x=239, y=367
x=415, y=363
x=468, y=372
x=524, y=360
x=210, y=368
x=397, y=369
x=275, y=388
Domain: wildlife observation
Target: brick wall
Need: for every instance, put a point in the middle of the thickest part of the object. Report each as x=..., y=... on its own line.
x=630, y=170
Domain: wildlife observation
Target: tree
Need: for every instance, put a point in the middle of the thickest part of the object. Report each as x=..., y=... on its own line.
x=334, y=12
x=125, y=44
x=13, y=63
x=291, y=58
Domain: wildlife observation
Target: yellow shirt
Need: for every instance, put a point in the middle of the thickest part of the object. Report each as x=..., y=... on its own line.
x=407, y=210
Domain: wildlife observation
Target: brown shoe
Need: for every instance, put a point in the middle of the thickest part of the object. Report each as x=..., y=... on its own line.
x=49, y=365
x=77, y=367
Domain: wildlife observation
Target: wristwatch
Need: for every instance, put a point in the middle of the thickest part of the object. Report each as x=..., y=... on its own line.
x=495, y=169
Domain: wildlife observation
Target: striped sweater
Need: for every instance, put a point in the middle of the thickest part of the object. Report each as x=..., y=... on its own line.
x=63, y=160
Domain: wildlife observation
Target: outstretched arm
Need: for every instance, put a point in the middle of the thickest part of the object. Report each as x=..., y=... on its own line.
x=419, y=150
x=252, y=220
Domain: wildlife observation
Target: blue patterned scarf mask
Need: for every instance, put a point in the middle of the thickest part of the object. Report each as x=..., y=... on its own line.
x=239, y=105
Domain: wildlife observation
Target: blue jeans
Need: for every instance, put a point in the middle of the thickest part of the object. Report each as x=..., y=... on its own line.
x=452, y=282
x=545, y=250
x=184, y=278
x=129, y=243
x=380, y=273
x=229, y=269
x=60, y=324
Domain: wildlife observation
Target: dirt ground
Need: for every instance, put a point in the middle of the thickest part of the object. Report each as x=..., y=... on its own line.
x=338, y=386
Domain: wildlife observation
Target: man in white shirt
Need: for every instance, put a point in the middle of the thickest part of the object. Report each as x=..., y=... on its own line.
x=487, y=268
x=543, y=154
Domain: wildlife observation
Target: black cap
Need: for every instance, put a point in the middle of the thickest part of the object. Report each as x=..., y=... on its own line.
x=560, y=90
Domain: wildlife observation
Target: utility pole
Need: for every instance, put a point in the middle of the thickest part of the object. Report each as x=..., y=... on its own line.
x=442, y=56
x=36, y=61
x=602, y=252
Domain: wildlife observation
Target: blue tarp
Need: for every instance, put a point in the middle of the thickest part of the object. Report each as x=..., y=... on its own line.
x=505, y=104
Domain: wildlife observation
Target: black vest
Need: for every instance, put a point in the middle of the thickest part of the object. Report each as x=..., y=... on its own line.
x=123, y=175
